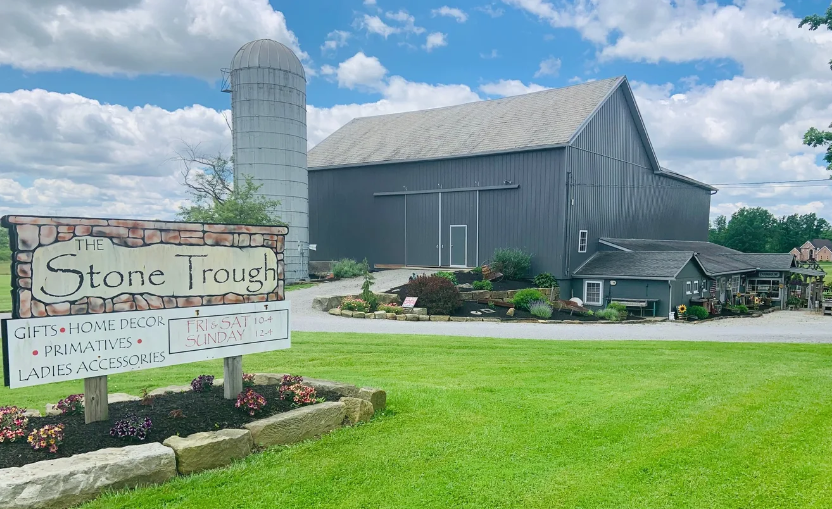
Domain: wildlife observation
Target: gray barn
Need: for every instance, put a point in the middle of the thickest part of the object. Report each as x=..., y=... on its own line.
x=550, y=172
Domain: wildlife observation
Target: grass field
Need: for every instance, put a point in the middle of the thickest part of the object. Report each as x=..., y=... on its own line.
x=5, y=287
x=489, y=423
x=827, y=267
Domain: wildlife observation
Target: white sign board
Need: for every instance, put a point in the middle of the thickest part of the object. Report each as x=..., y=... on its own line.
x=62, y=348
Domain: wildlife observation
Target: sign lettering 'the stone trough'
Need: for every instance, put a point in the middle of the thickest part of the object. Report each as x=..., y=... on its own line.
x=93, y=297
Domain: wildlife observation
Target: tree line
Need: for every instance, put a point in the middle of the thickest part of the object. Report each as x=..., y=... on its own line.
x=756, y=230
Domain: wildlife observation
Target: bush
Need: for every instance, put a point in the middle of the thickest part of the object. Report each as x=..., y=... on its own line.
x=48, y=437
x=524, y=298
x=698, y=311
x=540, y=309
x=742, y=308
x=202, y=383
x=346, y=268
x=248, y=379
x=391, y=308
x=353, y=304
x=477, y=270
x=13, y=423
x=513, y=263
x=545, y=280
x=132, y=427
x=250, y=402
x=450, y=276
x=482, y=285
x=437, y=294
x=608, y=314
x=292, y=388
x=366, y=295
x=619, y=308
x=71, y=405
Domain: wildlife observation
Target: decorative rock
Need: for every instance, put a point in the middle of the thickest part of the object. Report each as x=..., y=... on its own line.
x=480, y=294
x=402, y=318
x=388, y=298
x=120, y=397
x=420, y=311
x=52, y=410
x=392, y=316
x=510, y=312
x=439, y=318
x=369, y=316
x=48, y=234
x=358, y=410
x=152, y=236
x=381, y=315
x=466, y=295
x=358, y=314
x=297, y=425
x=268, y=378
x=511, y=293
x=38, y=308
x=465, y=286
x=27, y=237
x=424, y=318
x=341, y=389
x=377, y=397
x=326, y=303
x=96, y=305
x=499, y=295
x=492, y=320
x=345, y=312
x=211, y=449
x=59, y=309
x=335, y=312
x=31, y=412
x=186, y=302
x=458, y=319
x=66, y=482
x=161, y=391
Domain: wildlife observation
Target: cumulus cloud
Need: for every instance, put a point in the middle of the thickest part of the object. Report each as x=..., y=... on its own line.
x=334, y=40
x=494, y=12
x=548, y=67
x=506, y=88
x=435, y=40
x=451, y=12
x=408, y=22
x=358, y=71
x=133, y=37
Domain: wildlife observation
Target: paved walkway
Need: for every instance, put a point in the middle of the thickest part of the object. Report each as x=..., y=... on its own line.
x=783, y=326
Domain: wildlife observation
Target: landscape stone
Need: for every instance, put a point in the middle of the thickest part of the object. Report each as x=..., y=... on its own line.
x=66, y=482
x=335, y=312
x=466, y=295
x=52, y=410
x=492, y=320
x=412, y=318
x=388, y=298
x=511, y=293
x=424, y=318
x=480, y=294
x=120, y=397
x=345, y=312
x=458, y=319
x=358, y=314
x=370, y=316
x=268, y=378
x=211, y=449
x=161, y=391
x=297, y=425
x=380, y=315
x=439, y=318
x=392, y=316
x=377, y=397
x=358, y=410
x=420, y=311
x=402, y=318
x=31, y=412
x=326, y=303
x=341, y=389
x=498, y=295
x=510, y=312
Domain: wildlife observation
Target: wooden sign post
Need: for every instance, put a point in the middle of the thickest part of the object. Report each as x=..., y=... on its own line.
x=93, y=297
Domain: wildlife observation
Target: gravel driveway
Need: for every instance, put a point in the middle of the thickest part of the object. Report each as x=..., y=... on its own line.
x=783, y=326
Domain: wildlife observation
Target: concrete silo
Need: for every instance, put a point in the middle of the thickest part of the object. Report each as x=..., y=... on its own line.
x=268, y=110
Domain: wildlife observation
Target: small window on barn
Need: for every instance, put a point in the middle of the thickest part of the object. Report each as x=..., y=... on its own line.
x=583, y=238
x=696, y=287
x=592, y=292
x=687, y=287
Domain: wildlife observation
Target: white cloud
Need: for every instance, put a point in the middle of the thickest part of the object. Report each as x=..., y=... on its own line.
x=435, y=40
x=758, y=34
x=407, y=20
x=358, y=71
x=451, y=12
x=194, y=37
x=374, y=25
x=493, y=54
x=506, y=88
x=548, y=67
x=334, y=40
x=491, y=10
x=369, y=2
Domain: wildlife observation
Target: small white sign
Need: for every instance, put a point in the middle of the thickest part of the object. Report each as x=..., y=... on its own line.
x=62, y=348
x=409, y=302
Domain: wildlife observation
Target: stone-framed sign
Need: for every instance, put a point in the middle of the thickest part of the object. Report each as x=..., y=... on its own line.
x=96, y=296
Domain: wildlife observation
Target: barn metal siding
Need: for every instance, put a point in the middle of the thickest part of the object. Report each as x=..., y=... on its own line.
x=344, y=213
x=616, y=192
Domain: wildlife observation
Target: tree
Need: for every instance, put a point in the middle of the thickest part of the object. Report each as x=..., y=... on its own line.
x=217, y=198
x=815, y=137
x=751, y=230
x=716, y=231
x=5, y=251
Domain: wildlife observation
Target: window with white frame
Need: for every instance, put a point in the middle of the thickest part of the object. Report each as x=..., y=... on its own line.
x=593, y=290
x=687, y=287
x=583, y=240
x=696, y=287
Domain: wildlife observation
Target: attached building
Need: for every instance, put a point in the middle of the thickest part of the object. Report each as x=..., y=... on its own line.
x=550, y=172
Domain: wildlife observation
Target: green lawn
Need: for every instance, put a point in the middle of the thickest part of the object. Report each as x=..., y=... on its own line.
x=827, y=267
x=300, y=286
x=5, y=287
x=488, y=423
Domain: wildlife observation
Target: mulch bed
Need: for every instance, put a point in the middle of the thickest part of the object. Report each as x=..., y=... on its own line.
x=206, y=411
x=466, y=277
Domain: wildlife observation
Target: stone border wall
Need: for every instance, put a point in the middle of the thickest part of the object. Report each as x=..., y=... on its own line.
x=66, y=482
x=27, y=233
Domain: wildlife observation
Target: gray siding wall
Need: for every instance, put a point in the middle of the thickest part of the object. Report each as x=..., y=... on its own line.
x=630, y=289
x=346, y=220
x=691, y=272
x=617, y=194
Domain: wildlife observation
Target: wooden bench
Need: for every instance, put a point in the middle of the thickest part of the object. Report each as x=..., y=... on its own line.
x=640, y=304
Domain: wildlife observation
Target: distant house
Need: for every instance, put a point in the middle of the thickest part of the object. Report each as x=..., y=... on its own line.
x=817, y=249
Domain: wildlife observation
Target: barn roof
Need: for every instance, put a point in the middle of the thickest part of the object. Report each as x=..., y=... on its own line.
x=637, y=265
x=537, y=120
x=697, y=246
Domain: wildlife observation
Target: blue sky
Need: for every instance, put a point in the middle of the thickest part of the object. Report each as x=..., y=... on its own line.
x=99, y=96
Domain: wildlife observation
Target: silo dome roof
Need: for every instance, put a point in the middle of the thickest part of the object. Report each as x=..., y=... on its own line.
x=267, y=53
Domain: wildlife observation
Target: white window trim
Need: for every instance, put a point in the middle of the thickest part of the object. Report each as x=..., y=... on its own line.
x=583, y=235
x=696, y=286
x=687, y=287
x=600, y=292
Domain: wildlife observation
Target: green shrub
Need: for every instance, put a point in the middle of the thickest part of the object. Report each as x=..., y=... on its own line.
x=742, y=309
x=482, y=285
x=346, y=268
x=619, y=308
x=437, y=294
x=391, y=308
x=450, y=276
x=698, y=311
x=608, y=314
x=545, y=280
x=540, y=309
x=525, y=297
x=366, y=295
x=477, y=270
x=351, y=304
x=512, y=262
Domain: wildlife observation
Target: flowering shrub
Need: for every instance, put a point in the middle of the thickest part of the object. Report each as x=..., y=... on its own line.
x=483, y=285
x=391, y=308
x=48, y=437
x=132, y=426
x=71, y=405
x=352, y=304
x=292, y=388
x=513, y=263
x=12, y=423
x=202, y=383
x=523, y=298
x=250, y=401
x=540, y=309
x=437, y=294
x=248, y=379
x=608, y=314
